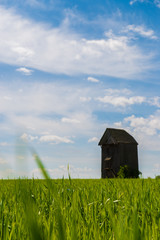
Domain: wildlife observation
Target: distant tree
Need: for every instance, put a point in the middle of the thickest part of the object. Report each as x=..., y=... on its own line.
x=126, y=172
x=157, y=177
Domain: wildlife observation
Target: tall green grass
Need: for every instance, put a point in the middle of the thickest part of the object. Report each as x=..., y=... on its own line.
x=80, y=209
x=118, y=209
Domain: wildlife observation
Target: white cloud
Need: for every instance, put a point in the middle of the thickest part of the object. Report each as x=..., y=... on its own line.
x=54, y=50
x=62, y=171
x=133, y=1
x=91, y=79
x=145, y=130
x=93, y=139
x=58, y=109
x=115, y=91
x=149, y=125
x=120, y=98
x=55, y=139
x=20, y=157
x=24, y=70
x=32, y=138
x=3, y=144
x=3, y=161
x=47, y=107
x=23, y=52
x=121, y=101
x=70, y=120
x=156, y=2
x=25, y=137
x=85, y=99
x=155, y=101
x=141, y=30
x=118, y=124
x=46, y=138
x=7, y=98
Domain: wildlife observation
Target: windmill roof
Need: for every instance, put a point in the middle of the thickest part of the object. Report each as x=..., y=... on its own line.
x=115, y=136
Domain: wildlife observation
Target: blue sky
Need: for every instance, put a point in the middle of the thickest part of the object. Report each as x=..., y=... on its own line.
x=69, y=70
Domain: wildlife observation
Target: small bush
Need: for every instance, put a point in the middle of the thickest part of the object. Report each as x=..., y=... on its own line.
x=157, y=177
x=126, y=172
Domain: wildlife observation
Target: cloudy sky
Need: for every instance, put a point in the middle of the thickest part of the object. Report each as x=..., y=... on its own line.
x=71, y=69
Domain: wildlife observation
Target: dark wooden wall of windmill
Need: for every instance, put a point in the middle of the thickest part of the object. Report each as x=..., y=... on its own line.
x=129, y=155
x=121, y=154
x=110, y=150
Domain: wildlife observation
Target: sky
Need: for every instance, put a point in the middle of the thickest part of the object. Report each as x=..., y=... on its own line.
x=71, y=69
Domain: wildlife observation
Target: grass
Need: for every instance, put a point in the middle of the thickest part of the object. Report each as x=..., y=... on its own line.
x=79, y=209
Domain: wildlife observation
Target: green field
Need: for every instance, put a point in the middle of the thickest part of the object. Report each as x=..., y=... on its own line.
x=80, y=209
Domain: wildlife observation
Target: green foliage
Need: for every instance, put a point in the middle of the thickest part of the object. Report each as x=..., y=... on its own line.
x=80, y=209
x=126, y=172
x=157, y=177
x=70, y=209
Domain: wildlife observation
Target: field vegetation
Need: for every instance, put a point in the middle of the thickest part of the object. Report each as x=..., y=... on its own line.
x=80, y=209
x=76, y=209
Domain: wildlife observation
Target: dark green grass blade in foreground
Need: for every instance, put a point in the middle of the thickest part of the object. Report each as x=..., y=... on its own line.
x=40, y=164
x=58, y=214
x=29, y=202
